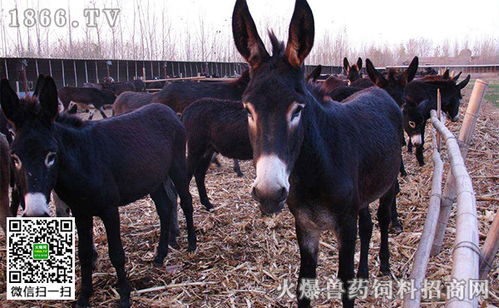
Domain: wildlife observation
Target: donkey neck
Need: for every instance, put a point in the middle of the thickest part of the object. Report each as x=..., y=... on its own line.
x=314, y=161
x=77, y=155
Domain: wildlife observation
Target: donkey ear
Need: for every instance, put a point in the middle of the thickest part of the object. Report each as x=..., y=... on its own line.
x=446, y=74
x=248, y=42
x=374, y=75
x=48, y=98
x=346, y=65
x=463, y=83
x=410, y=72
x=301, y=34
x=359, y=63
x=39, y=84
x=455, y=78
x=9, y=100
x=315, y=74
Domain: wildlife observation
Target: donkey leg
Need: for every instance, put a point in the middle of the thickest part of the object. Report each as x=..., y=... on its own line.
x=103, y=114
x=215, y=160
x=15, y=202
x=174, y=228
x=111, y=219
x=200, y=175
x=178, y=174
x=85, y=242
x=409, y=146
x=308, y=241
x=395, y=225
x=365, y=234
x=402, y=167
x=419, y=155
x=384, y=211
x=419, y=148
x=164, y=209
x=237, y=168
x=347, y=237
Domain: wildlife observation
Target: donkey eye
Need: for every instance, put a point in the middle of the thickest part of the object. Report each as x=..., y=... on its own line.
x=249, y=112
x=296, y=112
x=17, y=162
x=50, y=159
x=412, y=124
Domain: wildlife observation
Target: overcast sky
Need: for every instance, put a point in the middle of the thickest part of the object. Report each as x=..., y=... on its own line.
x=381, y=21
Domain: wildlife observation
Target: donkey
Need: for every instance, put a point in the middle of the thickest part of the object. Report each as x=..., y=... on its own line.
x=117, y=88
x=314, y=74
x=53, y=152
x=221, y=126
x=333, y=82
x=87, y=97
x=393, y=82
x=214, y=126
x=327, y=160
x=179, y=95
x=421, y=98
x=353, y=72
x=4, y=181
x=129, y=101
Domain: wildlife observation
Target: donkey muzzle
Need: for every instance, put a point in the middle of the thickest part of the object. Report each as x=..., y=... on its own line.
x=35, y=205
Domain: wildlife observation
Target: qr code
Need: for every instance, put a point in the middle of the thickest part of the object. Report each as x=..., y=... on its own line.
x=40, y=258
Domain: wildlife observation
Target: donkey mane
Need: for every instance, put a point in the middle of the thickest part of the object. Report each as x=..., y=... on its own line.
x=440, y=82
x=30, y=105
x=277, y=45
x=70, y=120
x=392, y=72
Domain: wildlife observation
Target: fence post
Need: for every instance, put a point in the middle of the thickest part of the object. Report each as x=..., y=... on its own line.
x=490, y=248
x=450, y=191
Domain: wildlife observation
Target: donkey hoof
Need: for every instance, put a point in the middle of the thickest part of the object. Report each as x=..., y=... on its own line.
x=81, y=303
x=384, y=273
x=173, y=244
x=207, y=205
x=158, y=262
x=396, y=229
x=421, y=163
x=240, y=174
x=192, y=247
x=125, y=303
x=363, y=274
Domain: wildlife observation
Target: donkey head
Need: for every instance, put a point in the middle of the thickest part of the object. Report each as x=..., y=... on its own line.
x=352, y=71
x=452, y=98
x=395, y=82
x=34, y=150
x=274, y=100
x=414, y=120
x=315, y=74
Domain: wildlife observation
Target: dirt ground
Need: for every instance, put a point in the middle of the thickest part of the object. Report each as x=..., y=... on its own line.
x=242, y=260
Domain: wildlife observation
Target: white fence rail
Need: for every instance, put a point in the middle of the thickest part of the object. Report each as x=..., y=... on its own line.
x=467, y=259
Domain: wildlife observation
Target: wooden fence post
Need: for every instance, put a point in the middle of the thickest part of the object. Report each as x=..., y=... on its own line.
x=490, y=248
x=450, y=191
